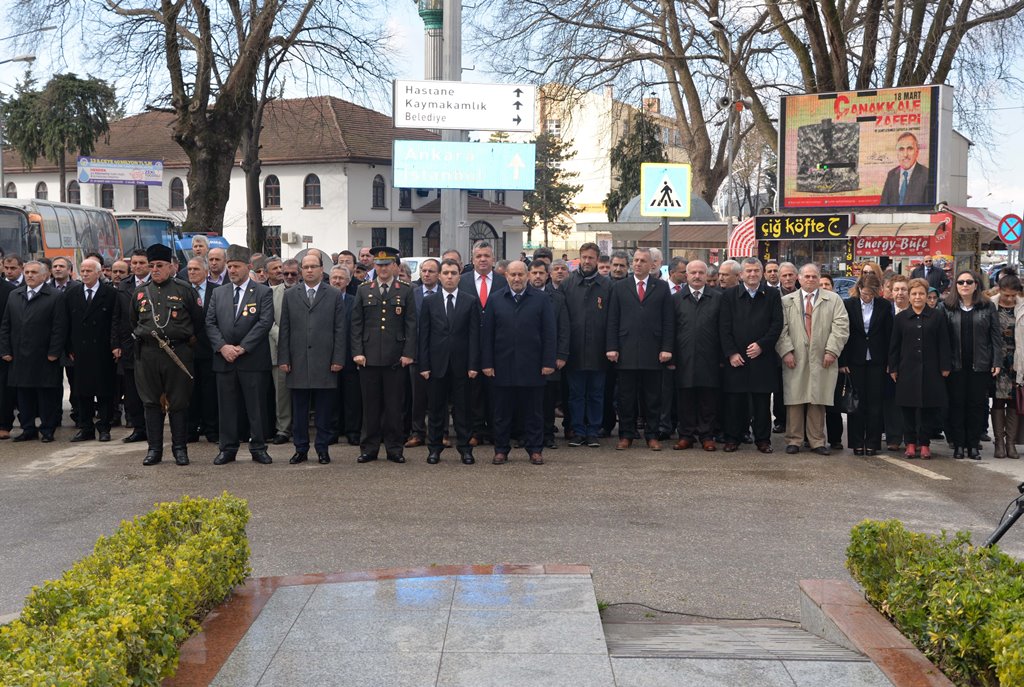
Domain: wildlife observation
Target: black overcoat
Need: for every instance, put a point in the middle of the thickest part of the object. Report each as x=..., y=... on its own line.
x=32, y=331
x=89, y=338
x=743, y=321
x=587, y=301
x=919, y=352
x=698, y=348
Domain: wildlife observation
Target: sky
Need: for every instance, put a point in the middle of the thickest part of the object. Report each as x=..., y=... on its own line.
x=996, y=168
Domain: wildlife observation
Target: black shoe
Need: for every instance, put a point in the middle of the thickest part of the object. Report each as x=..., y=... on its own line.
x=48, y=438
x=82, y=435
x=136, y=436
x=180, y=455
x=550, y=443
x=576, y=442
x=986, y=437
x=433, y=458
x=323, y=457
x=26, y=436
x=592, y=442
x=958, y=452
x=467, y=458
x=224, y=458
x=974, y=453
x=858, y=452
x=397, y=458
x=870, y=451
x=299, y=457
x=153, y=456
x=212, y=438
x=778, y=428
x=262, y=457
x=365, y=458
x=193, y=438
x=104, y=436
x=353, y=439
x=748, y=439
x=791, y=449
x=836, y=447
x=280, y=439
x=823, y=451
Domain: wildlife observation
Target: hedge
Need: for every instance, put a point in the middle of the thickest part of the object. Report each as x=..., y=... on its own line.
x=962, y=605
x=118, y=616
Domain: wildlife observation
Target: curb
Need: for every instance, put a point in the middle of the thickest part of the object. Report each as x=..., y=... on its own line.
x=835, y=611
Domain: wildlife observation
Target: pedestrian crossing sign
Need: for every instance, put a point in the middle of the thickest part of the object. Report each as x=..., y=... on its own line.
x=664, y=189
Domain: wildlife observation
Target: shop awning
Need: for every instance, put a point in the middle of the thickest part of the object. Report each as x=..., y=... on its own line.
x=690, y=235
x=894, y=229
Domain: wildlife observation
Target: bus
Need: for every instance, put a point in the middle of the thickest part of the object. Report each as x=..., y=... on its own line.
x=40, y=228
x=143, y=229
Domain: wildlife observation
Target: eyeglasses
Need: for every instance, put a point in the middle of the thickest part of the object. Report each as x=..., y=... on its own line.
x=290, y=274
x=965, y=282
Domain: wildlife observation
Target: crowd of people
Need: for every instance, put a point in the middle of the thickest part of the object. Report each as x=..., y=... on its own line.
x=239, y=347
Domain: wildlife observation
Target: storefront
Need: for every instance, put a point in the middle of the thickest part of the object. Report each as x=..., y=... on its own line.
x=799, y=239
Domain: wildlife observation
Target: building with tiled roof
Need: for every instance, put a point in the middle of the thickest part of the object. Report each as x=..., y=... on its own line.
x=326, y=174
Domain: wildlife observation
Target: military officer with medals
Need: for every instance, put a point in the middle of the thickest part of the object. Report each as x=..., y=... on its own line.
x=383, y=337
x=164, y=316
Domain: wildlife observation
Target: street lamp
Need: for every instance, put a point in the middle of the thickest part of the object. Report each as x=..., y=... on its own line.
x=20, y=58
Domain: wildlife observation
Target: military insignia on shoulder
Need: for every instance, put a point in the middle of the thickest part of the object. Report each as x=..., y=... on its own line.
x=367, y=284
x=400, y=281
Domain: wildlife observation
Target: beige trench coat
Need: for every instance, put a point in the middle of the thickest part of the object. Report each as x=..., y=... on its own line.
x=810, y=381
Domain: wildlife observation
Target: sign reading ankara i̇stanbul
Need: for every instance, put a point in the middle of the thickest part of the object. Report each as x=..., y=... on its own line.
x=97, y=170
x=443, y=164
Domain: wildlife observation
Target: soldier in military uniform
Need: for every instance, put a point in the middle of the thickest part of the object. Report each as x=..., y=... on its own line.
x=164, y=310
x=383, y=334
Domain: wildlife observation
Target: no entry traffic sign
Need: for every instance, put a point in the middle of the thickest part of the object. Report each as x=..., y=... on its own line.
x=1010, y=229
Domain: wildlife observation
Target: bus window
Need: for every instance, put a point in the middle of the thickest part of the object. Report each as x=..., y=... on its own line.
x=129, y=231
x=85, y=234
x=156, y=231
x=67, y=228
x=13, y=226
x=106, y=235
x=51, y=229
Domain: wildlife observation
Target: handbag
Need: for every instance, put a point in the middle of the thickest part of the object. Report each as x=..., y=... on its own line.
x=846, y=398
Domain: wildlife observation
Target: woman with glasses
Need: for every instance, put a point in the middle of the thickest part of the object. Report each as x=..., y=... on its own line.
x=976, y=342
x=919, y=357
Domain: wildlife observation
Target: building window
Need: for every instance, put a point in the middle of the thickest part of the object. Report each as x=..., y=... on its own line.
x=499, y=197
x=311, y=191
x=553, y=127
x=405, y=241
x=272, y=244
x=74, y=193
x=378, y=193
x=107, y=196
x=41, y=192
x=405, y=199
x=177, y=199
x=432, y=240
x=271, y=192
x=378, y=236
x=11, y=191
x=141, y=197
x=476, y=193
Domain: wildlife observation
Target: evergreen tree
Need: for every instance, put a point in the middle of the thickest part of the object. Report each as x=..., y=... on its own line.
x=641, y=143
x=549, y=205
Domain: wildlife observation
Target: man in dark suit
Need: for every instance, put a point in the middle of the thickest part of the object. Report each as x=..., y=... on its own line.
x=203, y=413
x=518, y=341
x=449, y=329
x=933, y=274
x=482, y=281
x=311, y=352
x=640, y=342
x=348, y=416
x=238, y=325
x=90, y=308
x=427, y=285
x=123, y=341
x=749, y=326
x=8, y=395
x=553, y=386
x=383, y=336
x=33, y=334
x=697, y=357
x=907, y=183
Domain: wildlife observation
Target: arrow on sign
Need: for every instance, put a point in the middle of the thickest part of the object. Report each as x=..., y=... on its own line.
x=517, y=119
x=518, y=92
x=516, y=164
x=517, y=104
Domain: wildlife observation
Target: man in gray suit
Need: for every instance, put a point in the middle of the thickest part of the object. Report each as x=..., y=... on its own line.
x=311, y=353
x=238, y=325
x=282, y=399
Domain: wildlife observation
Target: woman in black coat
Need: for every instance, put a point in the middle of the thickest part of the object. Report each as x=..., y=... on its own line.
x=864, y=358
x=919, y=358
x=976, y=341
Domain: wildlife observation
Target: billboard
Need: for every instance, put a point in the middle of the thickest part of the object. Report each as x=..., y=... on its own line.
x=95, y=170
x=862, y=148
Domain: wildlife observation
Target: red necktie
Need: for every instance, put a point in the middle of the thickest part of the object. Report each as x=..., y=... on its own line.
x=483, y=291
x=640, y=290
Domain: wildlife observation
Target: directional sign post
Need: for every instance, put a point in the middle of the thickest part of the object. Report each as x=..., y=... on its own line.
x=464, y=106
x=443, y=164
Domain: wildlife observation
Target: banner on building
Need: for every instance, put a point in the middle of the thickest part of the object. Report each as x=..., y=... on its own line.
x=98, y=170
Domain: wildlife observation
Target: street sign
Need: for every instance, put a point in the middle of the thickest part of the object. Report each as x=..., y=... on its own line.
x=1010, y=228
x=464, y=106
x=664, y=189
x=443, y=164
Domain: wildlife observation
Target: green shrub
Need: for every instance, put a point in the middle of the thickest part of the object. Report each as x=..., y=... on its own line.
x=962, y=605
x=118, y=616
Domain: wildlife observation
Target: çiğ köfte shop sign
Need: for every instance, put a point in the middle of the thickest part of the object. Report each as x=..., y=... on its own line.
x=801, y=227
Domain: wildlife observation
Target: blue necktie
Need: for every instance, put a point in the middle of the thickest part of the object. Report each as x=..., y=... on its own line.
x=903, y=186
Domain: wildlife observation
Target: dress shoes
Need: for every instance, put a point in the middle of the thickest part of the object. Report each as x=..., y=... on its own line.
x=536, y=459
x=397, y=458
x=467, y=458
x=682, y=445
x=823, y=451
x=213, y=438
x=353, y=439
x=298, y=457
x=413, y=442
x=104, y=436
x=224, y=458
x=870, y=452
x=474, y=441
x=654, y=444
x=262, y=457
x=778, y=428
x=279, y=439
x=836, y=447
x=500, y=459
x=323, y=457
x=858, y=452
x=433, y=458
x=82, y=435
x=180, y=455
x=193, y=438
x=730, y=447
x=550, y=442
x=153, y=456
x=765, y=447
x=974, y=453
x=136, y=436
x=26, y=436
x=709, y=445
x=958, y=452
x=365, y=458
x=792, y=449
x=623, y=444
x=592, y=442
x=47, y=438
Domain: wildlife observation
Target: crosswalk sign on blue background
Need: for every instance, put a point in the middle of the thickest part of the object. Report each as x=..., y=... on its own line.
x=664, y=189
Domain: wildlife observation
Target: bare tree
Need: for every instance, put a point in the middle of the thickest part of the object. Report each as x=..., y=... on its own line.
x=212, y=63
